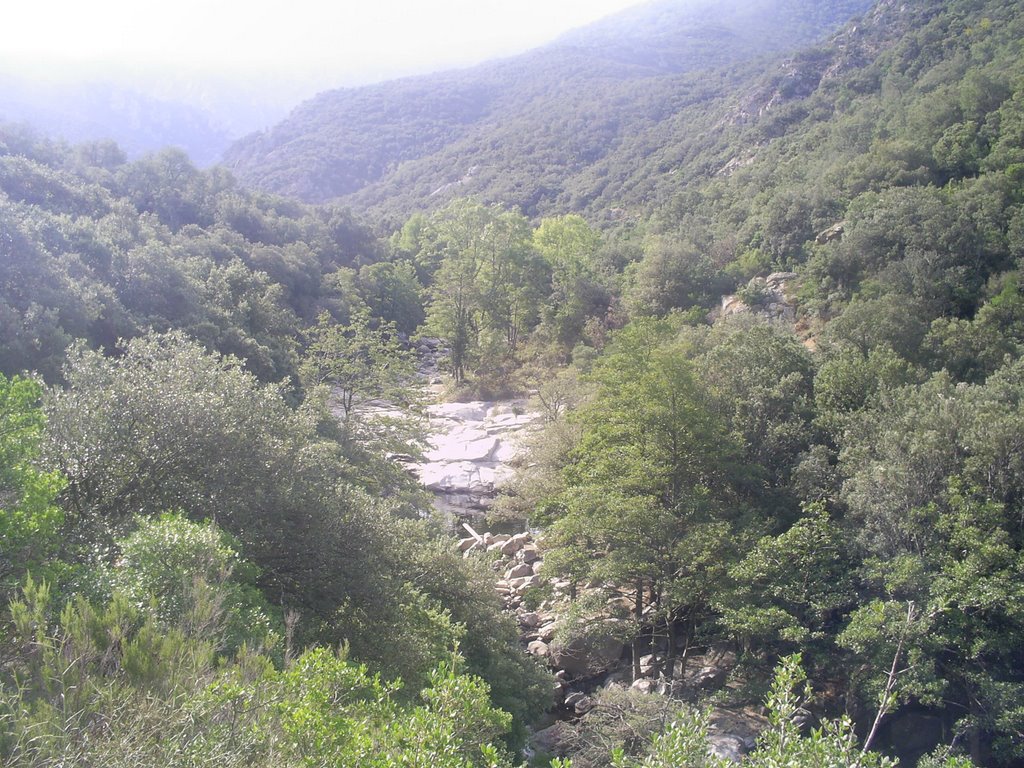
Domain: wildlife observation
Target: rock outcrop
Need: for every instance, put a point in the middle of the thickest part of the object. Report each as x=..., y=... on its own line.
x=765, y=296
x=469, y=445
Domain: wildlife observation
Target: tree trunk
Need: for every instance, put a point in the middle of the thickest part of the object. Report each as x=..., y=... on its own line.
x=670, y=654
x=974, y=735
x=638, y=614
x=685, y=656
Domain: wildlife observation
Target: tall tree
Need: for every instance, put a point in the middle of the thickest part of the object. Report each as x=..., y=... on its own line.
x=645, y=484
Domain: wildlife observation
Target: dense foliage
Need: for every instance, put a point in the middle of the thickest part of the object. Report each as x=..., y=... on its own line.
x=93, y=247
x=209, y=558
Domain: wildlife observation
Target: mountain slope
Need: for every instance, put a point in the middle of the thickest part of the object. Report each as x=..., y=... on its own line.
x=514, y=129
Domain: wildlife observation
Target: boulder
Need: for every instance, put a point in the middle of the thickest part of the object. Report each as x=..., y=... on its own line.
x=644, y=685
x=582, y=706
x=727, y=747
x=553, y=740
x=529, y=553
x=531, y=620
x=650, y=664
x=835, y=232
x=777, y=279
x=617, y=680
x=575, y=696
x=733, y=733
x=707, y=678
x=523, y=583
x=587, y=655
x=539, y=649
x=511, y=546
x=519, y=571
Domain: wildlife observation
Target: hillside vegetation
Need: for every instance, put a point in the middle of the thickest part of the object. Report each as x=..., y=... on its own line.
x=518, y=131
x=211, y=558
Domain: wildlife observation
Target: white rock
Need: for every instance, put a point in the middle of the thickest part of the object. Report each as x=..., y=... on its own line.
x=511, y=546
x=473, y=411
x=518, y=572
x=522, y=583
x=643, y=685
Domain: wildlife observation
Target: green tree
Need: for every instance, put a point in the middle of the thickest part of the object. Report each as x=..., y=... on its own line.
x=393, y=293
x=760, y=380
x=685, y=743
x=371, y=378
x=170, y=426
x=569, y=246
x=30, y=520
x=673, y=274
x=639, y=501
x=790, y=591
x=188, y=576
x=484, y=294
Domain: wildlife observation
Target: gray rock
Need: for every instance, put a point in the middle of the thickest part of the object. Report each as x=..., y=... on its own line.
x=644, y=685
x=573, y=697
x=532, y=620
x=539, y=648
x=523, y=583
x=707, y=678
x=835, y=232
x=727, y=747
x=583, y=706
x=553, y=740
x=650, y=664
x=587, y=655
x=511, y=546
x=778, y=278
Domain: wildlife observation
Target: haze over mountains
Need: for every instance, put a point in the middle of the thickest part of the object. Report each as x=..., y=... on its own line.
x=195, y=75
x=519, y=130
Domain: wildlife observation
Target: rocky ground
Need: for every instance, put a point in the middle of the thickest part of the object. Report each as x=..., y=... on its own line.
x=469, y=450
x=583, y=666
x=471, y=447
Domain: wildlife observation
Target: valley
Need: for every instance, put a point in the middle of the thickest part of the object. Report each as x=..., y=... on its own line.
x=652, y=398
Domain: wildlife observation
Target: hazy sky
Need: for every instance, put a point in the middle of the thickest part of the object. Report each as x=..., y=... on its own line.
x=318, y=39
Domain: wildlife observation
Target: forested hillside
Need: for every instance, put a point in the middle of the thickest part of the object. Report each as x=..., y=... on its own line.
x=774, y=341
x=518, y=131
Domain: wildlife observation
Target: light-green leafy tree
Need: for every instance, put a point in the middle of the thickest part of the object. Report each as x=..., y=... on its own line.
x=29, y=518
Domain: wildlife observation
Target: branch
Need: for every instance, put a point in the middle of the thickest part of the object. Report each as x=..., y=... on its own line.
x=887, y=697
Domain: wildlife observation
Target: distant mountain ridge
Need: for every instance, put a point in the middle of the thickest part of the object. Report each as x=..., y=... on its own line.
x=516, y=128
x=138, y=122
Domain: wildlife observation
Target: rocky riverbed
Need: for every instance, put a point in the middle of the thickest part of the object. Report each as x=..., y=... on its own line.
x=470, y=447
x=470, y=453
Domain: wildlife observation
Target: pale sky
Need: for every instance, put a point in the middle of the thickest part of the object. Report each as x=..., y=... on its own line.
x=342, y=41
